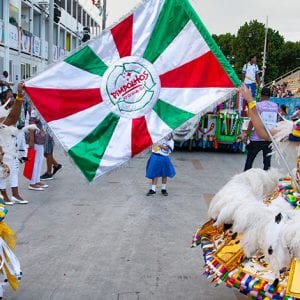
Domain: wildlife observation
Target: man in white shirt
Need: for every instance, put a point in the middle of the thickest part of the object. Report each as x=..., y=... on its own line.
x=250, y=74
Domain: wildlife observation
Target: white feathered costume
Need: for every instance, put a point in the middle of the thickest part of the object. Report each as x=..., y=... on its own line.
x=268, y=228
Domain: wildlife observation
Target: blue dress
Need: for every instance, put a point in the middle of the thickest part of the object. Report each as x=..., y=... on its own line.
x=159, y=164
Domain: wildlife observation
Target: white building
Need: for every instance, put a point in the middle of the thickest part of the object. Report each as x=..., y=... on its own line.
x=24, y=32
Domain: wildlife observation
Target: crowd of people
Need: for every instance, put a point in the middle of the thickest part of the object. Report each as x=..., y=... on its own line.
x=281, y=90
x=25, y=132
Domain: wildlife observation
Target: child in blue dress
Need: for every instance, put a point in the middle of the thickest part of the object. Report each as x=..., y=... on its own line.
x=160, y=165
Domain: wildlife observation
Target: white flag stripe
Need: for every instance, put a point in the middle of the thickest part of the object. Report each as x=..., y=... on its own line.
x=73, y=129
x=105, y=48
x=144, y=20
x=187, y=46
x=118, y=150
x=154, y=122
x=65, y=76
x=194, y=100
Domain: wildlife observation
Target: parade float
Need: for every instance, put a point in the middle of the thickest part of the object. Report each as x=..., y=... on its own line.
x=222, y=129
x=252, y=240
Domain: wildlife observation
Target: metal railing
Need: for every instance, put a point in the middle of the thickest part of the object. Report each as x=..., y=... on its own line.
x=283, y=76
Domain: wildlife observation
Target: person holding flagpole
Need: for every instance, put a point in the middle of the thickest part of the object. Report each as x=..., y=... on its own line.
x=8, y=140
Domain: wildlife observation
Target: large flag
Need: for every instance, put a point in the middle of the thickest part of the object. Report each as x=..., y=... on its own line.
x=132, y=85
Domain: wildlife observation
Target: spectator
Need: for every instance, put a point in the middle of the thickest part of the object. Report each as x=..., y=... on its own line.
x=52, y=165
x=296, y=114
x=250, y=74
x=281, y=90
x=160, y=165
x=282, y=113
x=36, y=140
x=8, y=141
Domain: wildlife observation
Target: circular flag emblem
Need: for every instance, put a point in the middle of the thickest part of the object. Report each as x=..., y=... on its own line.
x=130, y=86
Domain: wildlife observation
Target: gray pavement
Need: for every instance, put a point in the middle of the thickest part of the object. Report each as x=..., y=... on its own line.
x=109, y=241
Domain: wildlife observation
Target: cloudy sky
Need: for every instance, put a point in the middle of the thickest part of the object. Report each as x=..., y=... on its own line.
x=221, y=16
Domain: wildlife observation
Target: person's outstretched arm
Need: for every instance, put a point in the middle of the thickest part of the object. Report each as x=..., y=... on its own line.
x=254, y=114
x=15, y=112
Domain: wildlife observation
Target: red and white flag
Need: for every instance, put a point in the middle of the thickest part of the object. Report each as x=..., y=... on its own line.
x=132, y=85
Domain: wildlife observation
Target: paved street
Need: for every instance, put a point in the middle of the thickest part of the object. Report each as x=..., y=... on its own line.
x=109, y=241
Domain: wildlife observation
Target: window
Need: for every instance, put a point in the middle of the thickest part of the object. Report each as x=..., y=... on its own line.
x=25, y=70
x=1, y=64
x=62, y=38
x=34, y=69
x=68, y=41
x=13, y=15
x=47, y=30
x=84, y=19
x=73, y=42
x=60, y=3
x=55, y=35
x=1, y=9
x=79, y=14
x=75, y=3
x=10, y=71
x=69, y=6
x=25, y=18
x=37, y=25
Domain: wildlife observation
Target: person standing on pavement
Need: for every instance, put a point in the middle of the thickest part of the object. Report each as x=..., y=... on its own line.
x=36, y=140
x=268, y=112
x=8, y=141
x=250, y=74
x=52, y=165
x=160, y=165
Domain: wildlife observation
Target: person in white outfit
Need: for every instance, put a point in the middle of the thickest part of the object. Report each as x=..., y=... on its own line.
x=37, y=141
x=250, y=74
x=8, y=141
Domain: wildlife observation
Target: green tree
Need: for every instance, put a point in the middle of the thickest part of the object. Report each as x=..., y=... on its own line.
x=226, y=43
x=289, y=57
x=250, y=40
x=282, y=56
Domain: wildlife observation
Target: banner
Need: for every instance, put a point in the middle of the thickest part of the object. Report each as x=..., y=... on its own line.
x=36, y=46
x=25, y=42
x=132, y=85
x=13, y=36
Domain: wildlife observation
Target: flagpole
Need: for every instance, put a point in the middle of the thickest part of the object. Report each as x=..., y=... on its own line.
x=104, y=15
x=262, y=83
x=294, y=179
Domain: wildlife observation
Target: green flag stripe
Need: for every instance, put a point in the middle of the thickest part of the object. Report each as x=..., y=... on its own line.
x=86, y=59
x=170, y=22
x=88, y=153
x=210, y=42
x=170, y=114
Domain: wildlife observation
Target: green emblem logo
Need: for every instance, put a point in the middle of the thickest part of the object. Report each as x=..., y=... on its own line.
x=131, y=86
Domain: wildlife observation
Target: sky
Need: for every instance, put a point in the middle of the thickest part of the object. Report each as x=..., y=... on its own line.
x=222, y=16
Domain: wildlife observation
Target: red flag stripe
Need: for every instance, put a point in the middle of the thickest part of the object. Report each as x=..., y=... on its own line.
x=55, y=104
x=140, y=136
x=204, y=71
x=122, y=34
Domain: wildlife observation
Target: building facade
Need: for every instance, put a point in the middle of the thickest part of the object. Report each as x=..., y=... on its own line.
x=24, y=32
